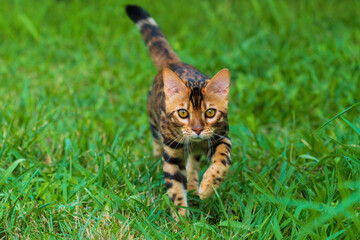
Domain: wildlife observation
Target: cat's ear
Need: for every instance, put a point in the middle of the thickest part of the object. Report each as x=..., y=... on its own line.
x=173, y=85
x=219, y=84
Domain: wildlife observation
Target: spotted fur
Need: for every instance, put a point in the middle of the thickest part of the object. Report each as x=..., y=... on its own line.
x=182, y=141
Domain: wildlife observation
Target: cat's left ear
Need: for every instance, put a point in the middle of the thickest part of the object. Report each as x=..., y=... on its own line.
x=219, y=84
x=173, y=85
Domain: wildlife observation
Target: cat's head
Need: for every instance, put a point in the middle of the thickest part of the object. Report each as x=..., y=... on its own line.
x=197, y=114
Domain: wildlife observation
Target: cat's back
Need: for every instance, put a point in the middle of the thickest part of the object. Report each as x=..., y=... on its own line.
x=192, y=77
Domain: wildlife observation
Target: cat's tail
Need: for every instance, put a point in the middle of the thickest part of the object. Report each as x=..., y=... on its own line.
x=160, y=51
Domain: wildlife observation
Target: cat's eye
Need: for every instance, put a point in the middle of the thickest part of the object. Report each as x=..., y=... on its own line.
x=183, y=113
x=210, y=113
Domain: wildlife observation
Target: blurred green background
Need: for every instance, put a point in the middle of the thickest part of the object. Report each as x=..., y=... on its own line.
x=75, y=147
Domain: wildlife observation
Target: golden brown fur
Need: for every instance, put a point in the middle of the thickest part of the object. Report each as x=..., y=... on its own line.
x=188, y=117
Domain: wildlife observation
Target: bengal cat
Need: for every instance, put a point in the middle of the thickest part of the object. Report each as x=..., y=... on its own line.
x=188, y=117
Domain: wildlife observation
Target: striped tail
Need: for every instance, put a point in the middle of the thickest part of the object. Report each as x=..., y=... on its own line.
x=160, y=51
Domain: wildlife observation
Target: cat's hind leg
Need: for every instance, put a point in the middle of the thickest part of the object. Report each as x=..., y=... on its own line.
x=175, y=178
x=192, y=172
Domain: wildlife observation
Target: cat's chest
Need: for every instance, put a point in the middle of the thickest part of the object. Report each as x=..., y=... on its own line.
x=198, y=148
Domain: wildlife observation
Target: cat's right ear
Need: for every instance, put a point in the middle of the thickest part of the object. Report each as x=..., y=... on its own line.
x=173, y=85
x=219, y=84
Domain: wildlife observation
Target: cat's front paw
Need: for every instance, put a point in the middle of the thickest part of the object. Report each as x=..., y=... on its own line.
x=209, y=182
x=205, y=192
x=179, y=213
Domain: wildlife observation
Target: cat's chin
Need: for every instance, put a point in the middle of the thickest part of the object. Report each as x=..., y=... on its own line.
x=198, y=138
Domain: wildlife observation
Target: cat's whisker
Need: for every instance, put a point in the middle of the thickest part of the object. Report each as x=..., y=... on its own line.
x=170, y=133
x=209, y=143
x=219, y=135
x=178, y=144
x=211, y=139
x=172, y=140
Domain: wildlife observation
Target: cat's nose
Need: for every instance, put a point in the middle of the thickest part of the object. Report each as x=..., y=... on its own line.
x=198, y=130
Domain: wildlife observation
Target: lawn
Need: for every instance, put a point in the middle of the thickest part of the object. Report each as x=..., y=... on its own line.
x=75, y=146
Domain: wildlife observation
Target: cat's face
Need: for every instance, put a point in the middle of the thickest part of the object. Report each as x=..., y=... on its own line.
x=197, y=114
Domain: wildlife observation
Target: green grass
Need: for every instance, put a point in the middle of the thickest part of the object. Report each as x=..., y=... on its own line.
x=75, y=148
